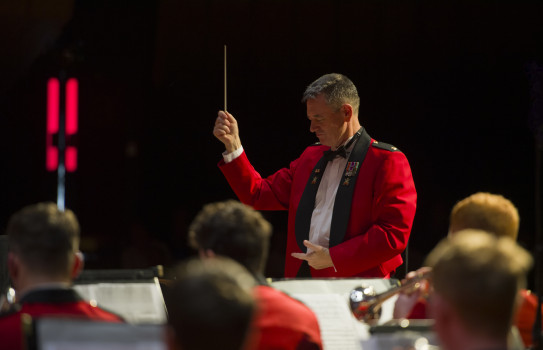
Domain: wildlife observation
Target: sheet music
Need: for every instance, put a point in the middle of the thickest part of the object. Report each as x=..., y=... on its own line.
x=337, y=286
x=335, y=320
x=341, y=287
x=105, y=345
x=329, y=300
x=135, y=302
x=66, y=334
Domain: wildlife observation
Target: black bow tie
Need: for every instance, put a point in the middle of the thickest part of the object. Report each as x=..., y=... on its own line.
x=340, y=152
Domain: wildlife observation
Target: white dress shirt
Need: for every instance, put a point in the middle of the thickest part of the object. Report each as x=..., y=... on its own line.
x=321, y=219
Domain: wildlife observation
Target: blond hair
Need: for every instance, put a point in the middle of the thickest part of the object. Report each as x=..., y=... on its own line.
x=480, y=274
x=486, y=211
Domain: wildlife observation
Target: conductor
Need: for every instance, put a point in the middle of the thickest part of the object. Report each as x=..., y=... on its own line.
x=351, y=199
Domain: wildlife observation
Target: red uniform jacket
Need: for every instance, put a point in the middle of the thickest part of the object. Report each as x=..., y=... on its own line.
x=525, y=317
x=47, y=302
x=379, y=221
x=283, y=323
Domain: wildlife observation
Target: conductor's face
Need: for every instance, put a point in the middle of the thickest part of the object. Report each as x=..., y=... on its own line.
x=328, y=124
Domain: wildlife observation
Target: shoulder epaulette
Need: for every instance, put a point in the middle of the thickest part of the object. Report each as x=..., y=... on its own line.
x=385, y=146
x=316, y=144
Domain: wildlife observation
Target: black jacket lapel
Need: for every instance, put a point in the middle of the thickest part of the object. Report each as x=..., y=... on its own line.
x=344, y=195
x=307, y=204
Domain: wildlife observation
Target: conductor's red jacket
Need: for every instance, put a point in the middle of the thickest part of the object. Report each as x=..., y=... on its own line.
x=368, y=235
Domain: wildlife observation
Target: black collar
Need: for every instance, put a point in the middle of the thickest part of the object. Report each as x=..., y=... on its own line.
x=53, y=296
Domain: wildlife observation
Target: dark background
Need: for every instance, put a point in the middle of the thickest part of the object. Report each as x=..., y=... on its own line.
x=446, y=82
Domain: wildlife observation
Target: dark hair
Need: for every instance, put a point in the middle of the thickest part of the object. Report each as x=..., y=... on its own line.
x=44, y=237
x=235, y=230
x=337, y=90
x=210, y=304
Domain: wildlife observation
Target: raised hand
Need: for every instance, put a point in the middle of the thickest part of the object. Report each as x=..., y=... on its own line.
x=226, y=130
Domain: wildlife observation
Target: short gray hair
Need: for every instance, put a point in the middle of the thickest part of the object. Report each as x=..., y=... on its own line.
x=337, y=90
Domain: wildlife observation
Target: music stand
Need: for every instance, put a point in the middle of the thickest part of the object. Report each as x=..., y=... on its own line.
x=59, y=333
x=134, y=294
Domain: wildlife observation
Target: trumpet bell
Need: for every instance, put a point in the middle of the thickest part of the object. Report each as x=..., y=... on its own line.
x=364, y=305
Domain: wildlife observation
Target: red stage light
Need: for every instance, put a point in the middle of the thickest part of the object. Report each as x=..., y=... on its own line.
x=52, y=127
x=71, y=159
x=71, y=122
x=51, y=151
x=71, y=106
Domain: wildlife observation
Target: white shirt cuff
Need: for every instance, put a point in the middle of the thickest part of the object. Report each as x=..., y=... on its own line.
x=228, y=157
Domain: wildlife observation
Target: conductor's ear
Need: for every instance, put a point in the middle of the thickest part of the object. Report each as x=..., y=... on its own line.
x=347, y=110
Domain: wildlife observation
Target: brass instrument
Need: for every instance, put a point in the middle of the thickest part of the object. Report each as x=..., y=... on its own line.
x=366, y=304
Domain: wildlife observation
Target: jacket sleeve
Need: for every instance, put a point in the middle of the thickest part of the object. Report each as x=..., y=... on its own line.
x=271, y=193
x=393, y=210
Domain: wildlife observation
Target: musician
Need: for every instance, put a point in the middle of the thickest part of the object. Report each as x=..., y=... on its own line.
x=237, y=231
x=484, y=211
x=476, y=278
x=210, y=306
x=43, y=258
x=351, y=200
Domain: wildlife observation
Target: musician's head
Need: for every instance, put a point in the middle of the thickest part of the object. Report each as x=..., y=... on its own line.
x=210, y=305
x=337, y=90
x=332, y=108
x=43, y=245
x=234, y=230
x=488, y=212
x=476, y=278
